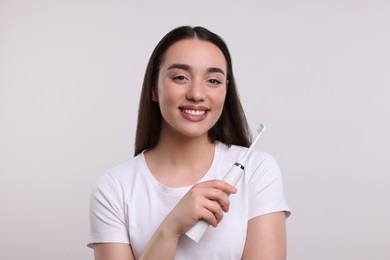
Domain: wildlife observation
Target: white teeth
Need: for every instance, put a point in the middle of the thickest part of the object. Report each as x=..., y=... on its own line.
x=194, y=112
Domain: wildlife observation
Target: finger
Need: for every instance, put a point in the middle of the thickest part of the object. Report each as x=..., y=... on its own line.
x=221, y=185
x=215, y=208
x=213, y=190
x=218, y=196
x=212, y=213
x=211, y=203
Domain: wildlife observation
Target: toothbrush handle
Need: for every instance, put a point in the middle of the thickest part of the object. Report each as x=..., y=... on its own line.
x=234, y=175
x=199, y=229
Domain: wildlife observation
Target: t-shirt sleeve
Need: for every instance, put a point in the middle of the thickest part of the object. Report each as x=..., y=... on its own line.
x=108, y=222
x=266, y=194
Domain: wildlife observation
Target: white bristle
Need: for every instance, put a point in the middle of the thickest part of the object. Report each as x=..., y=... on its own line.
x=261, y=128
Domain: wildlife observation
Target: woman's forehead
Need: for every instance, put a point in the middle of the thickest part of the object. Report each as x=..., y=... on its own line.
x=195, y=53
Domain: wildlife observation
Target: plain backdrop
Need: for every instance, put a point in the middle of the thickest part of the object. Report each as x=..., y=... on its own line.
x=317, y=73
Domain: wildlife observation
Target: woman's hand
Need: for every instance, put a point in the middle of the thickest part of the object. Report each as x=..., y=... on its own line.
x=207, y=200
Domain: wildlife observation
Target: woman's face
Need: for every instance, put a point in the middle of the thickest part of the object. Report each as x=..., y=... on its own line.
x=191, y=87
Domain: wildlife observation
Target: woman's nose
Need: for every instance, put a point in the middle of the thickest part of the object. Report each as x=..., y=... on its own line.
x=196, y=91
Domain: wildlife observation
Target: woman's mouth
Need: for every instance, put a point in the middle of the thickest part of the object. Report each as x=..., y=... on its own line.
x=194, y=112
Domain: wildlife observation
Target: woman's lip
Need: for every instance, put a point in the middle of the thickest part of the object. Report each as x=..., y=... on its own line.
x=194, y=113
x=201, y=115
x=192, y=107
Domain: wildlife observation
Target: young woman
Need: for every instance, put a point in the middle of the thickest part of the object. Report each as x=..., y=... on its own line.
x=191, y=130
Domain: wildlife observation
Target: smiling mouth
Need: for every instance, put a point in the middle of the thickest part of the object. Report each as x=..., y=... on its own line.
x=192, y=112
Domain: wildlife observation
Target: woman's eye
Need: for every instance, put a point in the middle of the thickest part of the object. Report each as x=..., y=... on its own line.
x=214, y=81
x=179, y=78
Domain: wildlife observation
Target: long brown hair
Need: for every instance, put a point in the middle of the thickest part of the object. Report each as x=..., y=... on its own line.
x=231, y=128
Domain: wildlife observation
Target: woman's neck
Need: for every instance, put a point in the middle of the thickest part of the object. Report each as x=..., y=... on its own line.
x=179, y=160
x=187, y=150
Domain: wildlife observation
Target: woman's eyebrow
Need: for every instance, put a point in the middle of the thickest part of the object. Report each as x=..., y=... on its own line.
x=188, y=68
x=179, y=66
x=216, y=70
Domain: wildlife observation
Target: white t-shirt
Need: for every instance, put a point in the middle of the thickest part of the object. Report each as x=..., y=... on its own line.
x=128, y=204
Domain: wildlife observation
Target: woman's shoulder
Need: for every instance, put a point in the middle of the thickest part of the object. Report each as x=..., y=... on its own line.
x=123, y=172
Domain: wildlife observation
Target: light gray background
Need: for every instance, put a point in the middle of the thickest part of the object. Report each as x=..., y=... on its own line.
x=315, y=72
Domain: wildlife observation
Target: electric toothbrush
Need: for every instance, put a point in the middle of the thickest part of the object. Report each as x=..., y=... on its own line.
x=232, y=177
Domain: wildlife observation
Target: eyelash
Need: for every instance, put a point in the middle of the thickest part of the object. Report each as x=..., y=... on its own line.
x=214, y=81
x=211, y=81
x=180, y=77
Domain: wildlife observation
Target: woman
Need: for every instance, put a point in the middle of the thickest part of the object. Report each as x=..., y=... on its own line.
x=191, y=129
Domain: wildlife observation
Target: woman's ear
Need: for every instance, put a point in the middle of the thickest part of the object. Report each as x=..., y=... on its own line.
x=154, y=95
